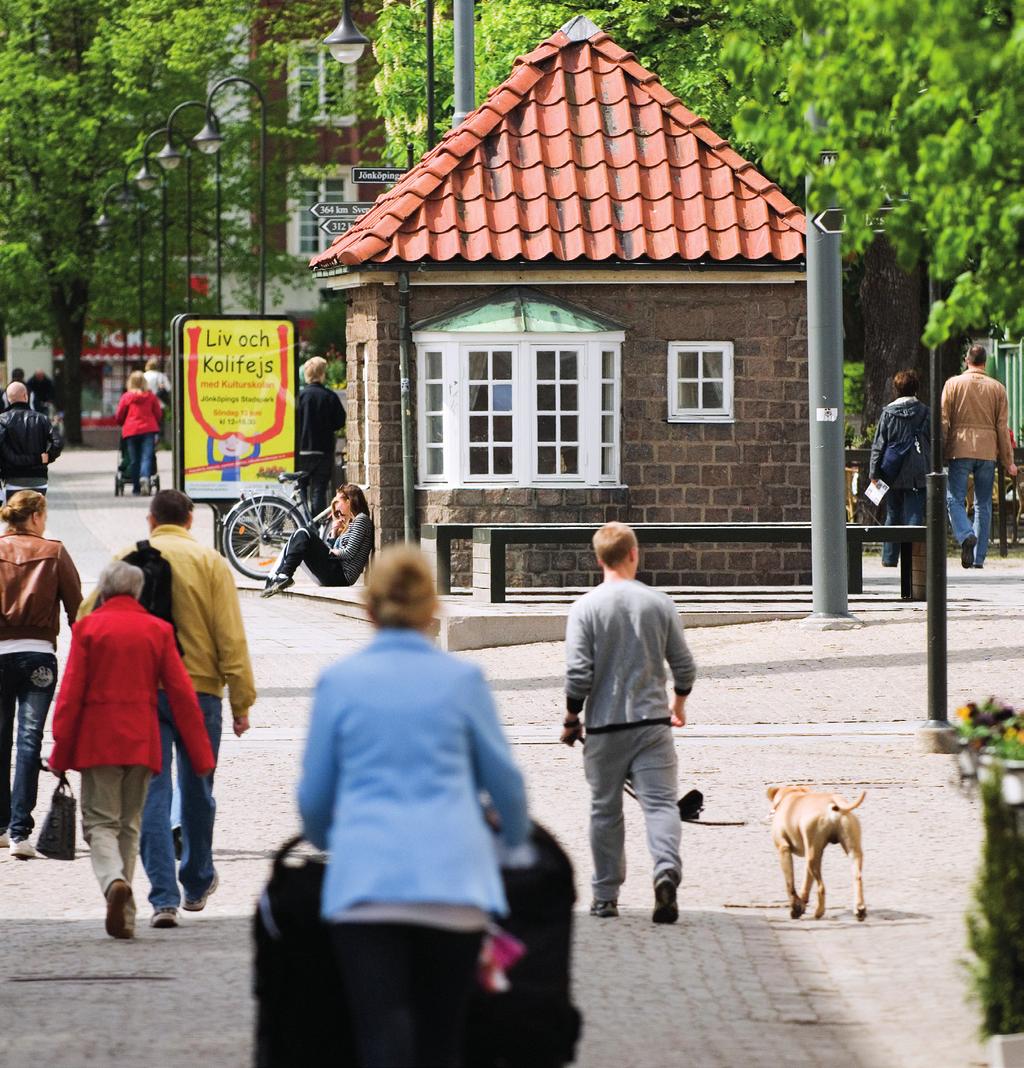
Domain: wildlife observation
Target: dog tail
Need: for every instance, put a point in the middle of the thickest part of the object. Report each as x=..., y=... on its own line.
x=840, y=804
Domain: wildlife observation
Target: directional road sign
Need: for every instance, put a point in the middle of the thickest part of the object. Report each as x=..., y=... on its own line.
x=377, y=175
x=830, y=221
x=337, y=226
x=344, y=210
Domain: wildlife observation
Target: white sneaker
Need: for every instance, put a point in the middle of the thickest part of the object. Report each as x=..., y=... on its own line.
x=23, y=850
x=4, y=840
x=144, y=482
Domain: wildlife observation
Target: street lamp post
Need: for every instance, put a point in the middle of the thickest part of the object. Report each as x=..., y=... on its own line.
x=209, y=141
x=145, y=180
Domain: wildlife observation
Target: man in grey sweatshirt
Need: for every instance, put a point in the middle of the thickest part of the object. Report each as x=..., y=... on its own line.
x=618, y=639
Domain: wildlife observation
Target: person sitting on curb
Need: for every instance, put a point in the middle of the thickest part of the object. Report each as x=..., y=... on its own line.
x=105, y=725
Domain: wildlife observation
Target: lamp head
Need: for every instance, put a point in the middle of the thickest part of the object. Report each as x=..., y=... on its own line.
x=125, y=197
x=209, y=138
x=168, y=157
x=345, y=41
x=104, y=222
x=145, y=179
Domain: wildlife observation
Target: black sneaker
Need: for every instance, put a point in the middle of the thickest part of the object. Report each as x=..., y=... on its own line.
x=967, y=551
x=665, y=908
x=277, y=583
x=607, y=910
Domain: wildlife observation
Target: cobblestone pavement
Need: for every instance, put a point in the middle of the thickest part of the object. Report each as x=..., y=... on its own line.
x=735, y=984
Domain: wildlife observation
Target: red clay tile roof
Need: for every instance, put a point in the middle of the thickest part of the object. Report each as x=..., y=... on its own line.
x=581, y=154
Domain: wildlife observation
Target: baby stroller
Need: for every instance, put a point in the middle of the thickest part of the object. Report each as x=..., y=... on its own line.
x=122, y=475
x=300, y=993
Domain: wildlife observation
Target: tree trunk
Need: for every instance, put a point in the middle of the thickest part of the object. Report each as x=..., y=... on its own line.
x=891, y=302
x=69, y=312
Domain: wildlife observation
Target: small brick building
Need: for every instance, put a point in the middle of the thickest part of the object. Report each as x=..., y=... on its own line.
x=607, y=314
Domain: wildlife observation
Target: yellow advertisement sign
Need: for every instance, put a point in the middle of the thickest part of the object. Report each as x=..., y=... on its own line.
x=238, y=404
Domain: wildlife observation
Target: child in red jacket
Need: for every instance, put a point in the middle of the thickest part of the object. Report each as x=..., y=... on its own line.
x=105, y=725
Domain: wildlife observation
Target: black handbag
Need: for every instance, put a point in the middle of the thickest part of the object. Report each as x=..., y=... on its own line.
x=57, y=838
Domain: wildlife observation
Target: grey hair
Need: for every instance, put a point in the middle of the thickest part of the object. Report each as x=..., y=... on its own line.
x=119, y=579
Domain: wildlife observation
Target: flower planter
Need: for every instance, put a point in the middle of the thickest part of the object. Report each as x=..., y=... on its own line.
x=1013, y=779
x=967, y=761
x=1006, y=1051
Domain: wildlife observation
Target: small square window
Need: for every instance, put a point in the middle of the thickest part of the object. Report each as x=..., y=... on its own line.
x=700, y=381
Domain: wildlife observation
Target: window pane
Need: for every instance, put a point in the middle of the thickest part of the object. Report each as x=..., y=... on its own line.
x=712, y=365
x=607, y=364
x=435, y=365
x=545, y=398
x=435, y=397
x=502, y=398
x=435, y=429
x=688, y=362
x=478, y=398
x=570, y=460
x=608, y=397
x=567, y=396
x=478, y=428
x=546, y=366
x=714, y=395
x=502, y=366
x=606, y=460
x=546, y=461
x=687, y=395
x=608, y=429
x=503, y=461
x=545, y=428
x=478, y=462
x=567, y=364
x=503, y=428
x=569, y=428
x=478, y=366
x=435, y=461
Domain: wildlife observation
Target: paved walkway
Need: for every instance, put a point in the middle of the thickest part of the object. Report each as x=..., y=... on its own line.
x=735, y=984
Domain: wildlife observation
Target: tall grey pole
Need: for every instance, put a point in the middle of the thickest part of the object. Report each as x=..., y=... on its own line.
x=465, y=70
x=825, y=390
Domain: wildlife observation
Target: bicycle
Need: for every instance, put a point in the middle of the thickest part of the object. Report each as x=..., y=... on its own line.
x=256, y=529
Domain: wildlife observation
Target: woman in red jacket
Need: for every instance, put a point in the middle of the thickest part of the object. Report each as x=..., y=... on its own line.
x=105, y=725
x=139, y=414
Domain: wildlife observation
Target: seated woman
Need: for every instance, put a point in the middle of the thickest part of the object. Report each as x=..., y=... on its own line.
x=339, y=560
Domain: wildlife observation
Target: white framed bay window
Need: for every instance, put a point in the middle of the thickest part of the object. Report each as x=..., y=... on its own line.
x=524, y=408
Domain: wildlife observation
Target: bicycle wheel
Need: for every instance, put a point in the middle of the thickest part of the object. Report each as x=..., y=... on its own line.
x=255, y=532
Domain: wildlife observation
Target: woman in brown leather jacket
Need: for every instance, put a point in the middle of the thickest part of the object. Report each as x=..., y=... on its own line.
x=36, y=576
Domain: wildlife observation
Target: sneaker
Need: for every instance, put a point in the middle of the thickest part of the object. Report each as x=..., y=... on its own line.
x=118, y=925
x=967, y=550
x=199, y=903
x=144, y=483
x=607, y=910
x=4, y=840
x=277, y=583
x=165, y=917
x=23, y=849
x=665, y=908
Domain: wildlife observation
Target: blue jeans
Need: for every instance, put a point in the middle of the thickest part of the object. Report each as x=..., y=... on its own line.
x=903, y=507
x=27, y=682
x=984, y=472
x=198, y=809
x=141, y=457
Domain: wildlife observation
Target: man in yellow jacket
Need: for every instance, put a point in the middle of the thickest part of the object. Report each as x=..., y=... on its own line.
x=974, y=435
x=208, y=620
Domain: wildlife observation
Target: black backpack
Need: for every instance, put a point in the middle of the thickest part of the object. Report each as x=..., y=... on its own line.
x=156, y=592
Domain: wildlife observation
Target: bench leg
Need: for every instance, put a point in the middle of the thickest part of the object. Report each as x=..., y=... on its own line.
x=444, y=564
x=907, y=571
x=855, y=565
x=497, y=548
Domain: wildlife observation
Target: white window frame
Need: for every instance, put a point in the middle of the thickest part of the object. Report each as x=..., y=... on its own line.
x=455, y=349
x=325, y=63
x=722, y=414
x=297, y=210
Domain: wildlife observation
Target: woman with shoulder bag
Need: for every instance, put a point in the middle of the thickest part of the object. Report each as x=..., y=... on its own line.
x=139, y=414
x=899, y=457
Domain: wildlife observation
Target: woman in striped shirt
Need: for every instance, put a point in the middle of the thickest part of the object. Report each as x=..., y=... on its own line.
x=339, y=560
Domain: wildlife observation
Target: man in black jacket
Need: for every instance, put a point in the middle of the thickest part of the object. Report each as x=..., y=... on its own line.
x=320, y=416
x=28, y=444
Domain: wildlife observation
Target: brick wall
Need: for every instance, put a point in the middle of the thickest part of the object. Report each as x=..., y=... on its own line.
x=753, y=469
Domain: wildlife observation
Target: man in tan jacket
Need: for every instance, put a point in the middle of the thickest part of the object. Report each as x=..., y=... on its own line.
x=208, y=621
x=975, y=433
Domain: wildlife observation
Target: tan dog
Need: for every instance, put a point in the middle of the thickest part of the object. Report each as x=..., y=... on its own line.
x=804, y=823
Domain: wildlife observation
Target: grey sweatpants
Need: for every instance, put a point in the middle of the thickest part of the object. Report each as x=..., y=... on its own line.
x=647, y=757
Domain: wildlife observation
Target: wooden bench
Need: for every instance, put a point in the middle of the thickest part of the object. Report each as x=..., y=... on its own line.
x=490, y=543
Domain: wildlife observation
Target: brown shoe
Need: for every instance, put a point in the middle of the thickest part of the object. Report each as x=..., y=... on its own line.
x=119, y=894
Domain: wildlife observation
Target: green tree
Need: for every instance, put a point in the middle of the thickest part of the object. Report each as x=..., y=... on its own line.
x=921, y=100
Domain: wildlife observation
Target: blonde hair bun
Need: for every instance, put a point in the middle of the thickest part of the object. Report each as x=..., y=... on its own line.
x=400, y=590
x=21, y=507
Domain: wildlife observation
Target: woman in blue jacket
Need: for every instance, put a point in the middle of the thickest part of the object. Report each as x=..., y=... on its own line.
x=403, y=741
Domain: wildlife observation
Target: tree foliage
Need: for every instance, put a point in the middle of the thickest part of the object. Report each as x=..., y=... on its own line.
x=921, y=100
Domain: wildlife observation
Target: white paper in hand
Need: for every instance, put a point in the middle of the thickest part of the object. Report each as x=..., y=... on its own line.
x=876, y=491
